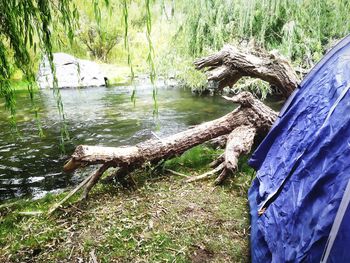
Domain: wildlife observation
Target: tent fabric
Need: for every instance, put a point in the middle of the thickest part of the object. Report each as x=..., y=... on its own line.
x=303, y=168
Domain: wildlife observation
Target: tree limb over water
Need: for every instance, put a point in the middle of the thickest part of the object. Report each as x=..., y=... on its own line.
x=241, y=126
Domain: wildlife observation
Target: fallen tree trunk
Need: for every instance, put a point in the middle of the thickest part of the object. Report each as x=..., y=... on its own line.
x=230, y=64
x=237, y=129
x=250, y=113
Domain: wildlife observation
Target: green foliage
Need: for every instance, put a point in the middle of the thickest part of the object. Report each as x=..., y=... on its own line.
x=151, y=53
x=24, y=29
x=194, y=158
x=100, y=29
x=98, y=40
x=122, y=32
x=300, y=30
x=258, y=87
x=297, y=28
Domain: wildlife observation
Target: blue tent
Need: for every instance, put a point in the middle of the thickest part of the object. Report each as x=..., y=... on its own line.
x=299, y=198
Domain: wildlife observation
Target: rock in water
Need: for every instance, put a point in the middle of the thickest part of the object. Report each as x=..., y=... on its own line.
x=71, y=72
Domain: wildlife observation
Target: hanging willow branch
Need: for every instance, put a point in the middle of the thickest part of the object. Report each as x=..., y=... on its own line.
x=151, y=54
x=127, y=47
x=24, y=28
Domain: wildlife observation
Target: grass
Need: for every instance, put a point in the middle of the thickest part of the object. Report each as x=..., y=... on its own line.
x=20, y=85
x=163, y=220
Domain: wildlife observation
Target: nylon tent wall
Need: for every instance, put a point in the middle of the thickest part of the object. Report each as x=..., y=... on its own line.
x=303, y=169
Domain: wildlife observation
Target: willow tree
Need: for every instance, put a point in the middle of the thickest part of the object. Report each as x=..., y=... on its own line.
x=26, y=28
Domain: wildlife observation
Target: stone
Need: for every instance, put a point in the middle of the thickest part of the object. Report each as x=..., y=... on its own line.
x=71, y=72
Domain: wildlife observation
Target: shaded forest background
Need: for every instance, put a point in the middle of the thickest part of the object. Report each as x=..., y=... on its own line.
x=183, y=30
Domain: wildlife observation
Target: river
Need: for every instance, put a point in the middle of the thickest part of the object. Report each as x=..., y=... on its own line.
x=32, y=166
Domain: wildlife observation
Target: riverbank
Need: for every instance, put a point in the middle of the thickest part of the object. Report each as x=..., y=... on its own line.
x=163, y=220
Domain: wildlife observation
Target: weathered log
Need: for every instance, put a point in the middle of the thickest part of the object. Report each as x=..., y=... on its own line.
x=237, y=129
x=218, y=142
x=250, y=113
x=230, y=64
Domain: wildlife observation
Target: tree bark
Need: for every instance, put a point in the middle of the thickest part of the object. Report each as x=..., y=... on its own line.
x=230, y=64
x=240, y=141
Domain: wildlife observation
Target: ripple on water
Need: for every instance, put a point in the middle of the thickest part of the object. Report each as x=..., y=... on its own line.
x=11, y=182
x=14, y=159
x=28, y=157
x=52, y=174
x=35, y=179
x=7, y=146
x=4, y=150
x=10, y=168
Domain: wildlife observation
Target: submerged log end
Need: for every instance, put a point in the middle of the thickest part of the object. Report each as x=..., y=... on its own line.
x=72, y=164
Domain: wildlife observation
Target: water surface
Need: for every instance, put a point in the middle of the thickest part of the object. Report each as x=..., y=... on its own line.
x=32, y=166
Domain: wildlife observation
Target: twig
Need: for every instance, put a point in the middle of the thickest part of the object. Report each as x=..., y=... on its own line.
x=86, y=180
x=30, y=213
x=176, y=173
x=71, y=253
x=94, y=179
x=205, y=175
x=155, y=135
x=221, y=178
x=93, y=256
